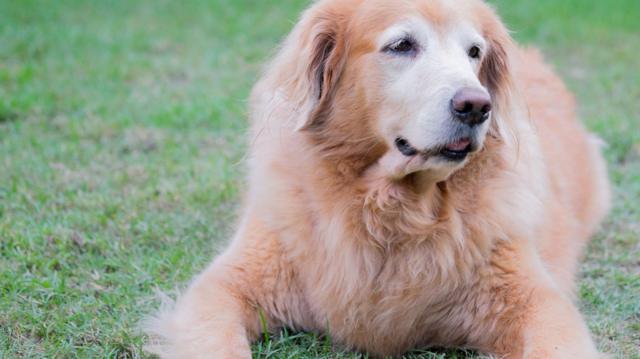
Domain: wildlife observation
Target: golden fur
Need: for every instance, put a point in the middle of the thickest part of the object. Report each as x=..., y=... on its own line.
x=328, y=242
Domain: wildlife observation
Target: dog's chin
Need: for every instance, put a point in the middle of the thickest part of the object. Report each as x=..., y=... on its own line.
x=435, y=164
x=437, y=167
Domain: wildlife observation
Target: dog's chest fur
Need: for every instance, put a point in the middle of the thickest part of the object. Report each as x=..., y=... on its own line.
x=377, y=266
x=423, y=294
x=401, y=267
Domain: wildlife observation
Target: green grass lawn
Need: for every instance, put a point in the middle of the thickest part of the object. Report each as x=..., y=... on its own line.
x=121, y=146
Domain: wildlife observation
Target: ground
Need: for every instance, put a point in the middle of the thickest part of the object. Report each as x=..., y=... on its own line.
x=122, y=136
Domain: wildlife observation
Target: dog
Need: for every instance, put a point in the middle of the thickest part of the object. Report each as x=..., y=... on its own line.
x=416, y=179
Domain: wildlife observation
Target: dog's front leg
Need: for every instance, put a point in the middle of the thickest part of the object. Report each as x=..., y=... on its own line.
x=536, y=319
x=554, y=328
x=543, y=324
x=211, y=320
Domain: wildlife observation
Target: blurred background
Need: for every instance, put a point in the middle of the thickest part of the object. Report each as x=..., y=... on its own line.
x=122, y=135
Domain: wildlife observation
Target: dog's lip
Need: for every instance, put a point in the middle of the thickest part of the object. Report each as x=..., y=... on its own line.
x=457, y=150
x=405, y=147
x=462, y=144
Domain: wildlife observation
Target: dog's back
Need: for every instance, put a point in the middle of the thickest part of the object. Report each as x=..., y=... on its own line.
x=578, y=182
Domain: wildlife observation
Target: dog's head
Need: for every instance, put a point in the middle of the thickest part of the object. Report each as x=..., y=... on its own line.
x=414, y=84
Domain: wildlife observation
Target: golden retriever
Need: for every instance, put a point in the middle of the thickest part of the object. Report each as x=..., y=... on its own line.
x=416, y=179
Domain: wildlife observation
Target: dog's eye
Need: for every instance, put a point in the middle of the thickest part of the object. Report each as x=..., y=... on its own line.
x=404, y=46
x=474, y=52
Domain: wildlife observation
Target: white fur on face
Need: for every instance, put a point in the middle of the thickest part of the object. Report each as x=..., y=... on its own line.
x=417, y=89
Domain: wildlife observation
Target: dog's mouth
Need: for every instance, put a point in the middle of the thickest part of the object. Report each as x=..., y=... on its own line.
x=456, y=150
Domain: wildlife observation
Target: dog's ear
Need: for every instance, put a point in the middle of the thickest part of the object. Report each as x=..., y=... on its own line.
x=494, y=71
x=325, y=58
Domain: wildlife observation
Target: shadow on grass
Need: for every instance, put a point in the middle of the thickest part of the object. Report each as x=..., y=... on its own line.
x=292, y=344
x=7, y=116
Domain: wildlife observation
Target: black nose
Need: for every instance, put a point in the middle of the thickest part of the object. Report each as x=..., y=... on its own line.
x=471, y=105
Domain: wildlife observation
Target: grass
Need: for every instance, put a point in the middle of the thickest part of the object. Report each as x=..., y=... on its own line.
x=122, y=137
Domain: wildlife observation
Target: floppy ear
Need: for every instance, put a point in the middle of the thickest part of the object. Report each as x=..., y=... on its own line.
x=495, y=70
x=300, y=82
x=325, y=59
x=326, y=62
x=495, y=75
